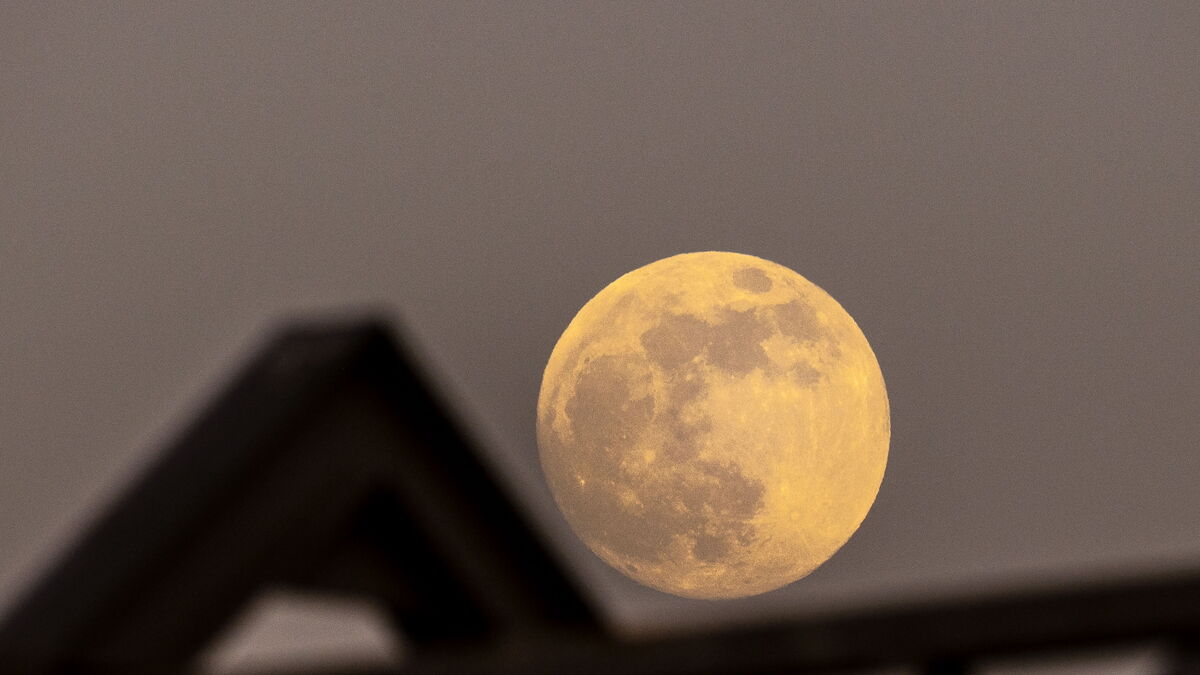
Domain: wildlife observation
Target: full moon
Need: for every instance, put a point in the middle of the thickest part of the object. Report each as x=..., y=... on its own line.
x=713, y=425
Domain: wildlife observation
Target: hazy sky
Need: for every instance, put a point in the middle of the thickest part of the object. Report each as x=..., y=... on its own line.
x=1004, y=196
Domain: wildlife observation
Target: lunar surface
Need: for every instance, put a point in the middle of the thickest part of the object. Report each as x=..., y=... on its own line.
x=713, y=425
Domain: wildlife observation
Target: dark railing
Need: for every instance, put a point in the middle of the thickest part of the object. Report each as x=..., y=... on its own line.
x=330, y=464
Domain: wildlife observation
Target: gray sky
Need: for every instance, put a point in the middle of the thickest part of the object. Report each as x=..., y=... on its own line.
x=1004, y=196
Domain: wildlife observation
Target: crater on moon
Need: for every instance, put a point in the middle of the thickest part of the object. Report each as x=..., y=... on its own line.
x=713, y=425
x=752, y=279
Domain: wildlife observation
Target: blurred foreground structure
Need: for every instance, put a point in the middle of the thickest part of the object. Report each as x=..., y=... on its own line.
x=330, y=465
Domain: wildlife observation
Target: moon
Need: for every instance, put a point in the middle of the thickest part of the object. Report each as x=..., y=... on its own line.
x=713, y=425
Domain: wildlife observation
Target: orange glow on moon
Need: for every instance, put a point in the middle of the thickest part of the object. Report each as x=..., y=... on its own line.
x=714, y=425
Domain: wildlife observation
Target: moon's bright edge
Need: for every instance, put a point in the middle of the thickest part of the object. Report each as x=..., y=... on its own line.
x=714, y=425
